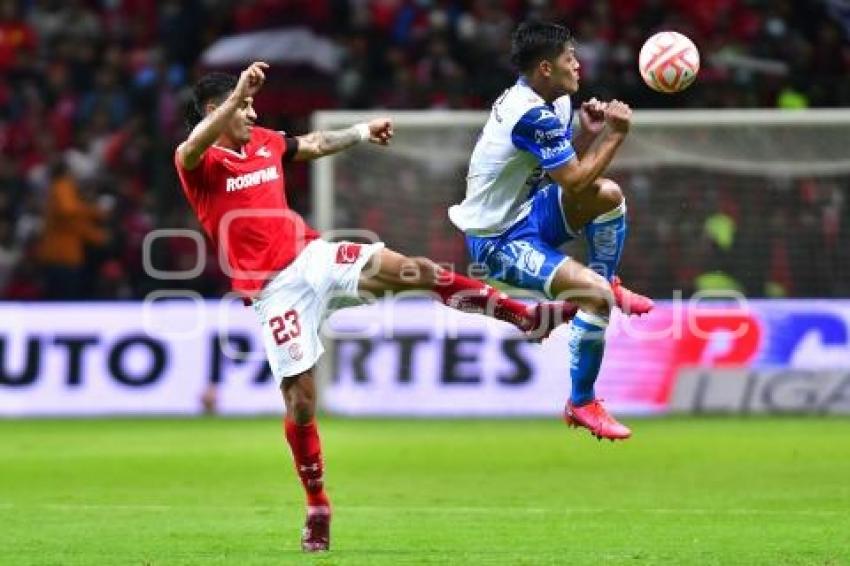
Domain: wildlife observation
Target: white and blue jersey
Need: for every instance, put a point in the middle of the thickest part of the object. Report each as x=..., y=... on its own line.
x=523, y=137
x=512, y=214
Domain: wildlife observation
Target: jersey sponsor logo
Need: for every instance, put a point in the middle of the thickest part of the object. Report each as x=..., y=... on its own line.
x=264, y=152
x=348, y=253
x=252, y=179
x=555, y=151
x=542, y=136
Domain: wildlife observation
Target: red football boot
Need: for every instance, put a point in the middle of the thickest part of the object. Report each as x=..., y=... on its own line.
x=597, y=420
x=316, y=536
x=547, y=316
x=629, y=301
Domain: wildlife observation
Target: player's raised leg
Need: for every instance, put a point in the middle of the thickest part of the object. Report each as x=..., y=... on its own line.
x=600, y=211
x=389, y=271
x=302, y=435
x=592, y=293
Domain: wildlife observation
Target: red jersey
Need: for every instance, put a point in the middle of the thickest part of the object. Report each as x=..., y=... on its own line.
x=240, y=200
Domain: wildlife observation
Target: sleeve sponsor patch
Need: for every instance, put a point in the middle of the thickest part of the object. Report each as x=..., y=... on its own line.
x=541, y=133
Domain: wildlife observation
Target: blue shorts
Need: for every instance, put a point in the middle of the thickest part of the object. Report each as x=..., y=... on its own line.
x=526, y=255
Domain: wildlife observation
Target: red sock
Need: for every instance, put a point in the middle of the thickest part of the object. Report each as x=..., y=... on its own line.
x=307, y=453
x=471, y=295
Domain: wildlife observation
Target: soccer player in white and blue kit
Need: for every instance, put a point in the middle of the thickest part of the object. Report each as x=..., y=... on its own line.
x=532, y=186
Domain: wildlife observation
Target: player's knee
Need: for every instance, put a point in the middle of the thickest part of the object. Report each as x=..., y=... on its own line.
x=300, y=403
x=610, y=195
x=302, y=410
x=596, y=296
x=303, y=413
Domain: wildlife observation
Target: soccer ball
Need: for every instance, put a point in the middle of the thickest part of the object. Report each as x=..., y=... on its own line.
x=668, y=62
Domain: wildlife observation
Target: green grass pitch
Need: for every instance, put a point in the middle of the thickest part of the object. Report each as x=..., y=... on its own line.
x=223, y=491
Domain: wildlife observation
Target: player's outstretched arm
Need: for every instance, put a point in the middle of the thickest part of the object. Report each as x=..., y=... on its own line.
x=578, y=174
x=215, y=122
x=319, y=144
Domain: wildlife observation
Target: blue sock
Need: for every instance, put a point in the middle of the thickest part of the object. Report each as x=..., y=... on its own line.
x=606, y=236
x=587, y=345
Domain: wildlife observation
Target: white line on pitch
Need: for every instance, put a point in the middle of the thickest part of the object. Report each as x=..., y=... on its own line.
x=441, y=509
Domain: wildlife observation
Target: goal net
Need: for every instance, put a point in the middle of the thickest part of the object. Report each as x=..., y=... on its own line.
x=753, y=200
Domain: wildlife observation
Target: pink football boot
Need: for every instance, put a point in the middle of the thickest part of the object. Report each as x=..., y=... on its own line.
x=597, y=420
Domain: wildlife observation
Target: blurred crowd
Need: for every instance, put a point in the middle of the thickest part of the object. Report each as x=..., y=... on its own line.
x=92, y=92
x=759, y=237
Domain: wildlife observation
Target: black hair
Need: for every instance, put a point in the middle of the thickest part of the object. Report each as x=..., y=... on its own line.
x=533, y=42
x=212, y=87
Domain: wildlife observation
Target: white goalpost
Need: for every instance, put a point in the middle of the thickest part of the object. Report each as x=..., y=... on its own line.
x=773, y=144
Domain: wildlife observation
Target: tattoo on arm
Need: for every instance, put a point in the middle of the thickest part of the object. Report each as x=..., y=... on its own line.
x=334, y=141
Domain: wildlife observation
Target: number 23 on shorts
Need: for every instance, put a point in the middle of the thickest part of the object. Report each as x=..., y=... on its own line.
x=286, y=327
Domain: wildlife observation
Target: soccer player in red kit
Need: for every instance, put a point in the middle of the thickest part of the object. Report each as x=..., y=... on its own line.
x=232, y=174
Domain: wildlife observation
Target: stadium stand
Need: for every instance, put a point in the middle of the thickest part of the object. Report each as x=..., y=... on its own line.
x=91, y=97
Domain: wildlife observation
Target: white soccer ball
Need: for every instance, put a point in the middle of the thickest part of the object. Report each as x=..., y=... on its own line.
x=668, y=62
